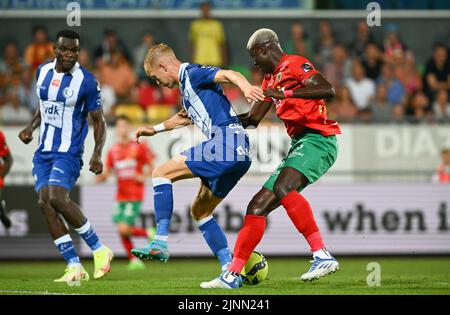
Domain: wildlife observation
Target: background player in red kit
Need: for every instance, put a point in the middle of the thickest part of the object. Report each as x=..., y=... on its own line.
x=132, y=164
x=298, y=91
x=6, y=162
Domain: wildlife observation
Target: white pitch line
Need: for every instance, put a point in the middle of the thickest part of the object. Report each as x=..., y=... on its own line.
x=37, y=292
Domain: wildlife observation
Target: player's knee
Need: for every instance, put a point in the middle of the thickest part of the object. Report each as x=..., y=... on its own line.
x=59, y=203
x=256, y=207
x=124, y=230
x=281, y=190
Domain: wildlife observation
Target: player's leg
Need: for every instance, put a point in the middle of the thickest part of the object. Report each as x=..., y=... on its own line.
x=63, y=176
x=299, y=211
x=201, y=211
x=163, y=176
x=6, y=221
x=125, y=214
x=248, y=238
x=62, y=240
x=309, y=158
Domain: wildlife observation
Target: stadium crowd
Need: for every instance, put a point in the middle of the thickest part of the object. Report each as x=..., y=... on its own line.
x=375, y=82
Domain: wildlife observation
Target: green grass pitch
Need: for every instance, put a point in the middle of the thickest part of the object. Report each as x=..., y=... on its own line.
x=399, y=275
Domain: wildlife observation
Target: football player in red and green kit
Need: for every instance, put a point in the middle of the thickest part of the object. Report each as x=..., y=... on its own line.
x=298, y=91
x=132, y=163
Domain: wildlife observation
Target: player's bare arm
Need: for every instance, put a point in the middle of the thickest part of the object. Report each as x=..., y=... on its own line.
x=26, y=135
x=251, y=93
x=254, y=116
x=316, y=87
x=95, y=164
x=180, y=119
x=7, y=164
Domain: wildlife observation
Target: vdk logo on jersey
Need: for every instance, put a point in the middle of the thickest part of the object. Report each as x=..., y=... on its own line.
x=67, y=92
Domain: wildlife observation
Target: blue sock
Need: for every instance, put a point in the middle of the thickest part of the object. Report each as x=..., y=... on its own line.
x=88, y=234
x=216, y=239
x=163, y=205
x=67, y=250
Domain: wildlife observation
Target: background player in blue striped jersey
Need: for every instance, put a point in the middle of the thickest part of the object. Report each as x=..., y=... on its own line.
x=219, y=162
x=67, y=94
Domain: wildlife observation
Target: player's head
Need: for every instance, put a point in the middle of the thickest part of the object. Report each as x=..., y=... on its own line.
x=123, y=127
x=162, y=65
x=445, y=153
x=67, y=48
x=265, y=50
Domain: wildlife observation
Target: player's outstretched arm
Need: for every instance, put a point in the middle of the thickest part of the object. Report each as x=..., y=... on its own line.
x=26, y=135
x=315, y=87
x=251, y=93
x=254, y=116
x=180, y=119
x=98, y=118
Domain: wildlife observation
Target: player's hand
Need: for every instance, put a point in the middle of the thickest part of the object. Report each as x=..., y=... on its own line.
x=143, y=131
x=253, y=94
x=26, y=135
x=140, y=178
x=95, y=164
x=277, y=94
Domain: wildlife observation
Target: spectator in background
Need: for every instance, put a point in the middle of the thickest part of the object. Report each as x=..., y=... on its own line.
x=300, y=43
x=437, y=72
x=339, y=69
x=363, y=37
x=408, y=74
x=443, y=170
x=380, y=107
x=325, y=44
x=342, y=108
x=441, y=107
x=148, y=40
x=11, y=67
x=207, y=39
x=361, y=88
x=393, y=46
x=12, y=112
x=84, y=59
x=110, y=47
x=40, y=50
x=27, y=91
x=372, y=61
x=118, y=74
x=418, y=108
x=396, y=91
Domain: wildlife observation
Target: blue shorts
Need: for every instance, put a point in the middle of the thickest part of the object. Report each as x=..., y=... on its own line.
x=51, y=169
x=221, y=161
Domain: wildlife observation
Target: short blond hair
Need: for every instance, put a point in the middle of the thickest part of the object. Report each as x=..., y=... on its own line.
x=154, y=53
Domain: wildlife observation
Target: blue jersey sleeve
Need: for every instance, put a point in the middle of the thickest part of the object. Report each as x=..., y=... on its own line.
x=93, y=95
x=202, y=75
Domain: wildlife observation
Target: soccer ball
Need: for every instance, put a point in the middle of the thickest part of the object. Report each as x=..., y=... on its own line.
x=255, y=269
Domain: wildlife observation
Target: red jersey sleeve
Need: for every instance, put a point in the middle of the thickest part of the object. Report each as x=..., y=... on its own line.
x=4, y=150
x=264, y=86
x=303, y=69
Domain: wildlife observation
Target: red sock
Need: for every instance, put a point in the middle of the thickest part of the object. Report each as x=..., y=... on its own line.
x=248, y=238
x=137, y=231
x=300, y=212
x=128, y=246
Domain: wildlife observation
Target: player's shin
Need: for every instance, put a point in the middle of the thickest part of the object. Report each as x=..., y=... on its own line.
x=300, y=213
x=88, y=234
x=216, y=239
x=248, y=238
x=163, y=205
x=67, y=249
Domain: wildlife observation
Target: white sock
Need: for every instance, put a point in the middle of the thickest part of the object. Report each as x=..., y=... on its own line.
x=161, y=237
x=322, y=254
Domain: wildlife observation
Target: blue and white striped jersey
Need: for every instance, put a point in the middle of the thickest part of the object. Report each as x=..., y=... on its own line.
x=65, y=100
x=203, y=99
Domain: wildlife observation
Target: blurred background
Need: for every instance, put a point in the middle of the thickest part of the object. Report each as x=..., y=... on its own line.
x=388, y=192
